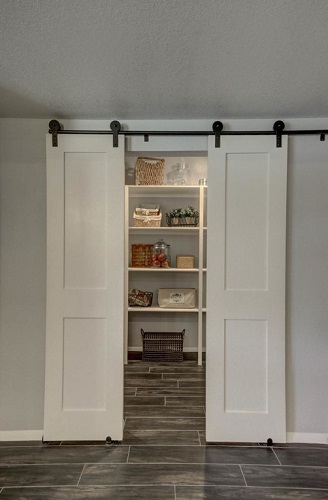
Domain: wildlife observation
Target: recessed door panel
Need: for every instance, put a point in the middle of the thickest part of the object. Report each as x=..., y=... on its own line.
x=246, y=214
x=246, y=366
x=85, y=203
x=84, y=377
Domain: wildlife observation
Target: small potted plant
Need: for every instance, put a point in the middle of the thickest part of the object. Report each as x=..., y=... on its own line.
x=173, y=217
x=191, y=216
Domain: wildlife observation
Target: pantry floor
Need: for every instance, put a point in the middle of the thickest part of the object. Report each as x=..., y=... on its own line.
x=163, y=455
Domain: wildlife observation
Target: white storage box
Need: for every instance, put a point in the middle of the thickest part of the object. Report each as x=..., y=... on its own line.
x=177, y=298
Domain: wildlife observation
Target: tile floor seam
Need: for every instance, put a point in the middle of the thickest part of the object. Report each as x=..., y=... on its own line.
x=81, y=475
x=285, y=466
x=169, y=445
x=257, y=487
x=221, y=464
x=128, y=455
x=242, y=473
x=29, y=486
x=275, y=454
x=51, y=464
x=158, y=485
x=39, y=486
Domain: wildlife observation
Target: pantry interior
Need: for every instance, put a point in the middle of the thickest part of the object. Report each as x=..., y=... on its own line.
x=184, y=239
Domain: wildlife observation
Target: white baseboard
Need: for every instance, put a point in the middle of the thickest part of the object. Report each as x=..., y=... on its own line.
x=21, y=435
x=309, y=438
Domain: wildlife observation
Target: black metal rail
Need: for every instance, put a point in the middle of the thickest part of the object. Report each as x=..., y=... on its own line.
x=56, y=128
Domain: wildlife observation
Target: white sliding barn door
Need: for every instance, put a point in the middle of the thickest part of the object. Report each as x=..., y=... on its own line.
x=85, y=278
x=245, y=353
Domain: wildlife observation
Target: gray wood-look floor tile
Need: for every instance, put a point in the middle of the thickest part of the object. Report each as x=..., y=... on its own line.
x=136, y=369
x=164, y=424
x=164, y=451
x=202, y=454
x=158, y=437
x=163, y=411
x=185, y=376
x=170, y=391
x=146, y=382
x=185, y=401
x=162, y=474
x=138, y=375
x=144, y=401
x=177, y=369
x=93, y=492
x=79, y=443
x=5, y=444
x=165, y=364
x=303, y=456
x=64, y=454
x=130, y=391
x=301, y=445
x=40, y=475
x=237, y=493
x=286, y=476
x=202, y=436
x=191, y=383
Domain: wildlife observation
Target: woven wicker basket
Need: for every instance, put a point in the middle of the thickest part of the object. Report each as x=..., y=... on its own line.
x=141, y=255
x=162, y=346
x=185, y=261
x=147, y=209
x=147, y=220
x=138, y=298
x=149, y=171
x=182, y=221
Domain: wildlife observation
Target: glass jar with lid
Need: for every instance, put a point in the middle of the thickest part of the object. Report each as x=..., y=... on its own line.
x=161, y=255
x=181, y=176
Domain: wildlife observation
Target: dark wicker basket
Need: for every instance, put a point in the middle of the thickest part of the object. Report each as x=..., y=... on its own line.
x=162, y=346
x=182, y=221
x=138, y=298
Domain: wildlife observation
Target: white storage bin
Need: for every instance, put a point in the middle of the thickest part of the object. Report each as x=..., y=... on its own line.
x=177, y=298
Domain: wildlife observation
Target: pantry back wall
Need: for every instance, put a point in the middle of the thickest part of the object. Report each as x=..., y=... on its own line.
x=23, y=272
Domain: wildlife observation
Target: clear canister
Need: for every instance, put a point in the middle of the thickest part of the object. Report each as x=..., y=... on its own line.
x=161, y=255
x=182, y=174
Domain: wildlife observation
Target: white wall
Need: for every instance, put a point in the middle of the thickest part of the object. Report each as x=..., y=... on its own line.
x=23, y=276
x=307, y=286
x=22, y=273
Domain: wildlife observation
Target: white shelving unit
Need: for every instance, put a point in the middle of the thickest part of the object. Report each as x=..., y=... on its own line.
x=183, y=241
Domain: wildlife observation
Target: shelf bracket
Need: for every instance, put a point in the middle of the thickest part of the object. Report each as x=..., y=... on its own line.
x=278, y=127
x=322, y=137
x=115, y=127
x=54, y=127
x=217, y=128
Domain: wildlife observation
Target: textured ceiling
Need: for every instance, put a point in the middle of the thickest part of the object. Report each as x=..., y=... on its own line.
x=163, y=59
